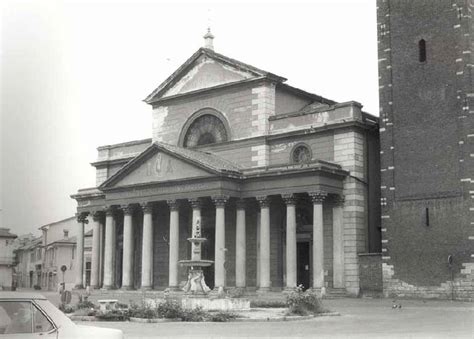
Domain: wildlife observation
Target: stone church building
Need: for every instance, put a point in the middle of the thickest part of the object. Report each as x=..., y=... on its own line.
x=284, y=182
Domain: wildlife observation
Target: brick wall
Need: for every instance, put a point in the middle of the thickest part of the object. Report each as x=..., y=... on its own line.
x=425, y=110
x=370, y=268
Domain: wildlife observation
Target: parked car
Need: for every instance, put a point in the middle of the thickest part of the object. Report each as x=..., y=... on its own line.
x=30, y=315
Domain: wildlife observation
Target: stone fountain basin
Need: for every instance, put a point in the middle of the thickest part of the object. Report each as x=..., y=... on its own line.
x=196, y=263
x=199, y=240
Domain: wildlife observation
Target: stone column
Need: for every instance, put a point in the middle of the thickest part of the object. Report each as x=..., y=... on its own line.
x=127, y=262
x=95, y=258
x=264, y=285
x=109, y=251
x=240, y=246
x=318, y=241
x=338, y=243
x=174, y=245
x=147, y=247
x=291, y=268
x=81, y=220
x=220, y=249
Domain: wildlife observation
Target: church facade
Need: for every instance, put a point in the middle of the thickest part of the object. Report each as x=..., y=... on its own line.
x=285, y=184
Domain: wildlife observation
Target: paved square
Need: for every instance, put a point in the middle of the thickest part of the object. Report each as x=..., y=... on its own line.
x=360, y=318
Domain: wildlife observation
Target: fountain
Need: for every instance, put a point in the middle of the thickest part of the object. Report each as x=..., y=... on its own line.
x=196, y=285
x=196, y=291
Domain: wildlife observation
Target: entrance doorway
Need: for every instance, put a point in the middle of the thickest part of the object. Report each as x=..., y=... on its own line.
x=303, y=273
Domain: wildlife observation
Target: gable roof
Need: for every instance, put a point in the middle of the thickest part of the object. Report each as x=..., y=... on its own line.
x=216, y=56
x=207, y=161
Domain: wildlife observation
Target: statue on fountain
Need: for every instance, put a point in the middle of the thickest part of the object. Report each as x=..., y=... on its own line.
x=196, y=285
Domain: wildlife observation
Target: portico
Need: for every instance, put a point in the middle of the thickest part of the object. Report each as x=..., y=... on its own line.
x=149, y=222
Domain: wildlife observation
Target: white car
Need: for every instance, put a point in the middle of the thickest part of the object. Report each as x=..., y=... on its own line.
x=30, y=315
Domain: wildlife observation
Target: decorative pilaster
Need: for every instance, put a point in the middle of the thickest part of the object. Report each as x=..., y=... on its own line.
x=127, y=263
x=109, y=271
x=264, y=285
x=81, y=220
x=338, y=242
x=240, y=245
x=97, y=217
x=291, y=268
x=318, y=240
x=174, y=245
x=220, y=249
x=147, y=247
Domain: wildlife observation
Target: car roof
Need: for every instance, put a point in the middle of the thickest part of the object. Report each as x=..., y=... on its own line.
x=21, y=295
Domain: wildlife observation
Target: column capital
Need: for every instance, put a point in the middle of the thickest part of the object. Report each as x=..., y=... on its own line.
x=240, y=204
x=97, y=215
x=196, y=203
x=127, y=209
x=109, y=210
x=147, y=207
x=289, y=199
x=220, y=200
x=82, y=217
x=263, y=201
x=173, y=205
x=318, y=196
x=339, y=200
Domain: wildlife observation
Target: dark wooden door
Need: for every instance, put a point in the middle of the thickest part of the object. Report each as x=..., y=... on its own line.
x=303, y=275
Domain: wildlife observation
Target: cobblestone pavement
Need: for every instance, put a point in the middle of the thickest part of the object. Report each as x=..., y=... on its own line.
x=360, y=318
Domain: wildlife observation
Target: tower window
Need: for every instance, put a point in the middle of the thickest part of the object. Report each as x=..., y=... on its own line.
x=422, y=50
x=427, y=216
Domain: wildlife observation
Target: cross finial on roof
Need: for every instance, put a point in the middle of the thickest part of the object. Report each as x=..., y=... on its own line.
x=208, y=39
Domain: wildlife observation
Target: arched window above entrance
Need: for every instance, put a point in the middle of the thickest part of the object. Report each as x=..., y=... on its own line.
x=205, y=128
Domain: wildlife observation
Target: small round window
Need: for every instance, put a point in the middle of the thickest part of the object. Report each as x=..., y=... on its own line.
x=301, y=154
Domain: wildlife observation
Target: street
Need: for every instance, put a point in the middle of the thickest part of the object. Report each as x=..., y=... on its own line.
x=360, y=318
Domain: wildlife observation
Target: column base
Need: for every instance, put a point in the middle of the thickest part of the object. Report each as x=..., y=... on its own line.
x=218, y=291
x=107, y=287
x=173, y=289
x=288, y=290
x=263, y=290
x=127, y=288
x=320, y=291
x=146, y=288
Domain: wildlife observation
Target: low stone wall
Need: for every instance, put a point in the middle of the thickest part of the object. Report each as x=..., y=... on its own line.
x=461, y=288
x=370, y=268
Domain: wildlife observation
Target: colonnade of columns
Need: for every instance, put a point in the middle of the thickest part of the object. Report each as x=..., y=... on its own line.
x=264, y=283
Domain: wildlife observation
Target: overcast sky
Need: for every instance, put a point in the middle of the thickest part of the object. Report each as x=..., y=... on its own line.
x=74, y=74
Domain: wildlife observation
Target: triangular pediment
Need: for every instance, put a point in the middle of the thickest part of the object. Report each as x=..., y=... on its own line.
x=207, y=69
x=207, y=72
x=154, y=166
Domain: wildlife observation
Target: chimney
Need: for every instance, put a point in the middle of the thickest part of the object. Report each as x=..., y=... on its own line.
x=66, y=234
x=208, y=40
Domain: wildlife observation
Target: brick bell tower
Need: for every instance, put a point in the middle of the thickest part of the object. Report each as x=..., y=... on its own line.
x=425, y=55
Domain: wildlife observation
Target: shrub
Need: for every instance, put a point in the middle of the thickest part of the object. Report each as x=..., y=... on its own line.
x=113, y=315
x=37, y=287
x=142, y=311
x=169, y=309
x=85, y=311
x=195, y=314
x=222, y=316
x=85, y=304
x=66, y=308
x=304, y=303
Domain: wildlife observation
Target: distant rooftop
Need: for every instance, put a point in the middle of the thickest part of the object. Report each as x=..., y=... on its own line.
x=5, y=233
